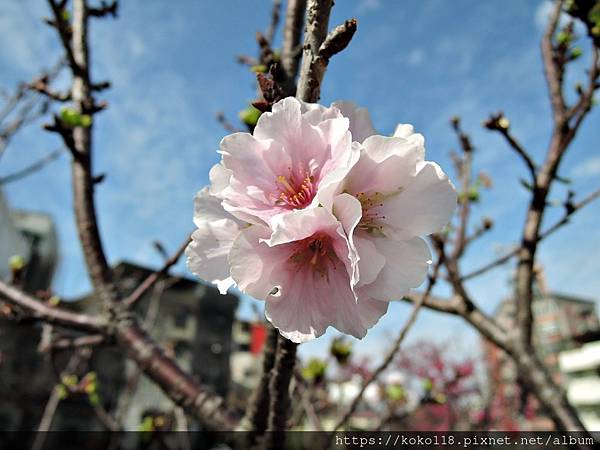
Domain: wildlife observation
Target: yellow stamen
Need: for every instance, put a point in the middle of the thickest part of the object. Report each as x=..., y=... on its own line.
x=283, y=180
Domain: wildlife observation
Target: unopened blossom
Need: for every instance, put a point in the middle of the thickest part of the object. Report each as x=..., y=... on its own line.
x=304, y=272
x=391, y=198
x=294, y=151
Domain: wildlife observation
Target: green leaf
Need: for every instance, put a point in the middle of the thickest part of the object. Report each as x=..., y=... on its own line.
x=16, y=262
x=62, y=392
x=315, y=369
x=72, y=118
x=94, y=399
x=594, y=15
x=65, y=15
x=147, y=424
x=576, y=52
x=249, y=115
x=341, y=349
x=427, y=384
x=395, y=392
x=259, y=68
x=564, y=38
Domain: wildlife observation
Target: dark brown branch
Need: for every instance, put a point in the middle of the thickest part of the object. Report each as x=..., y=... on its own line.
x=40, y=86
x=498, y=122
x=227, y=125
x=63, y=343
x=319, y=47
x=312, y=71
x=464, y=173
x=557, y=225
x=64, y=31
x=275, y=15
x=257, y=411
x=291, y=50
x=32, y=168
x=105, y=9
x=53, y=315
x=337, y=39
x=179, y=386
x=151, y=280
x=552, y=67
x=586, y=98
x=279, y=395
x=79, y=140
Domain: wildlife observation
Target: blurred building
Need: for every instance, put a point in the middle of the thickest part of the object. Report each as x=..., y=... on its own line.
x=31, y=236
x=189, y=319
x=246, y=358
x=581, y=367
x=24, y=374
x=559, y=323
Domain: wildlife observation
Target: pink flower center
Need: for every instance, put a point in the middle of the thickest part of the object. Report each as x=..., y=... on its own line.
x=314, y=253
x=293, y=193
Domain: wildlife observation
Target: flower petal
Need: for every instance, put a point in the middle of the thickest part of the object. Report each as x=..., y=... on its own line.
x=406, y=265
x=407, y=131
x=361, y=126
x=423, y=207
x=211, y=242
x=387, y=165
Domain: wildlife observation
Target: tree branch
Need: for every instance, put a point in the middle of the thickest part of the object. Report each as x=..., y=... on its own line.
x=498, y=122
x=151, y=280
x=50, y=314
x=291, y=49
x=275, y=14
x=257, y=411
x=552, y=67
x=32, y=168
x=572, y=209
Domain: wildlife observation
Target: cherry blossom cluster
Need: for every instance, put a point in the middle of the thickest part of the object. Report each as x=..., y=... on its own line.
x=319, y=216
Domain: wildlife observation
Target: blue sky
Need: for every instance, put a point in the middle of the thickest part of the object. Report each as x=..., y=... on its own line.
x=172, y=67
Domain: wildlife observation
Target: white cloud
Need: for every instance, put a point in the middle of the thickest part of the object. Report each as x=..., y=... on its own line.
x=542, y=16
x=365, y=6
x=415, y=57
x=587, y=168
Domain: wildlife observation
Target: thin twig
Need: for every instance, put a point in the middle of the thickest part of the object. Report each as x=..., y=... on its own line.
x=32, y=168
x=275, y=15
x=151, y=279
x=499, y=123
x=49, y=314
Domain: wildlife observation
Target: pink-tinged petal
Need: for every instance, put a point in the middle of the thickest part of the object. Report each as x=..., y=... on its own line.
x=423, y=207
x=219, y=179
x=301, y=224
x=407, y=131
x=334, y=183
x=370, y=260
x=312, y=304
x=208, y=252
x=406, y=265
x=348, y=211
x=304, y=310
x=315, y=113
x=290, y=156
x=361, y=126
x=254, y=264
x=386, y=166
x=302, y=272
